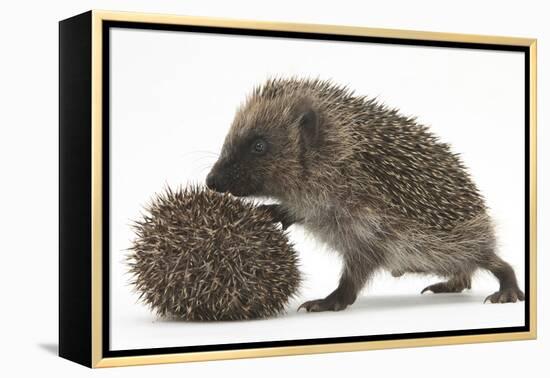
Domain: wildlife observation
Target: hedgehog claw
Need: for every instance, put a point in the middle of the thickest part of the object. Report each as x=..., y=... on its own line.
x=509, y=295
x=454, y=285
x=303, y=305
x=319, y=305
x=443, y=287
x=279, y=215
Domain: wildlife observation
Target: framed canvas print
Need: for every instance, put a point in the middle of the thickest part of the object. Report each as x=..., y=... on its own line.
x=235, y=189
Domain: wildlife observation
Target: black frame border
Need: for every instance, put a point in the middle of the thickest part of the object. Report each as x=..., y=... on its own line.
x=75, y=197
x=105, y=28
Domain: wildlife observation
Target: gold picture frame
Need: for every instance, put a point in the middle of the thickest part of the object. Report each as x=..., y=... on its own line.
x=82, y=260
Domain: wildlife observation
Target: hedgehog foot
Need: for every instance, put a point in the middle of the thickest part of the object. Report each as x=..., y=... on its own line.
x=279, y=215
x=454, y=285
x=508, y=295
x=326, y=304
x=442, y=287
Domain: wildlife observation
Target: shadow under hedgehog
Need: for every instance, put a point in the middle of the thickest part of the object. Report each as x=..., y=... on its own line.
x=372, y=184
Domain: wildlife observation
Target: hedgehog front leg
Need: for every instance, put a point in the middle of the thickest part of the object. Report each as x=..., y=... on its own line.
x=280, y=214
x=353, y=279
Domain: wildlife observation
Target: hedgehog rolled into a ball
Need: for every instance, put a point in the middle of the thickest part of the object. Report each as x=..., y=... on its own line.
x=202, y=255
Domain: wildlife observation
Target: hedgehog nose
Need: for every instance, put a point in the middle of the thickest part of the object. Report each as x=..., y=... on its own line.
x=210, y=182
x=213, y=182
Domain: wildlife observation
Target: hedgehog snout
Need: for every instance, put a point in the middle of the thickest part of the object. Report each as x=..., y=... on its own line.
x=216, y=181
x=222, y=176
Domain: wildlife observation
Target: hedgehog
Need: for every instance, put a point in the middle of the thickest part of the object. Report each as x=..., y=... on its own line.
x=199, y=255
x=369, y=182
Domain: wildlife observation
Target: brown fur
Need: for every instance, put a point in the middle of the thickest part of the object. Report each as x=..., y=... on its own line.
x=373, y=184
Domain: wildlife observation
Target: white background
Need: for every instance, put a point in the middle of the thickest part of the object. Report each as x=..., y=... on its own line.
x=28, y=151
x=173, y=97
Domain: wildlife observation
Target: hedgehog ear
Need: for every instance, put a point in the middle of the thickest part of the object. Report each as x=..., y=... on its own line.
x=308, y=122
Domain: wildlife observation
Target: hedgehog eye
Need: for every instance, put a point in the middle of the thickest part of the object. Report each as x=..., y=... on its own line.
x=259, y=147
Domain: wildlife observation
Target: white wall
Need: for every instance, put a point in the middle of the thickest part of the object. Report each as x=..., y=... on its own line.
x=28, y=152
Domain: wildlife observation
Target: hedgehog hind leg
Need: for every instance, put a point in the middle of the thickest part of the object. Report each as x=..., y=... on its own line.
x=509, y=290
x=456, y=284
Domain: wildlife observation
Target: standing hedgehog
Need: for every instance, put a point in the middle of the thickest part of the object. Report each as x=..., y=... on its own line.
x=373, y=184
